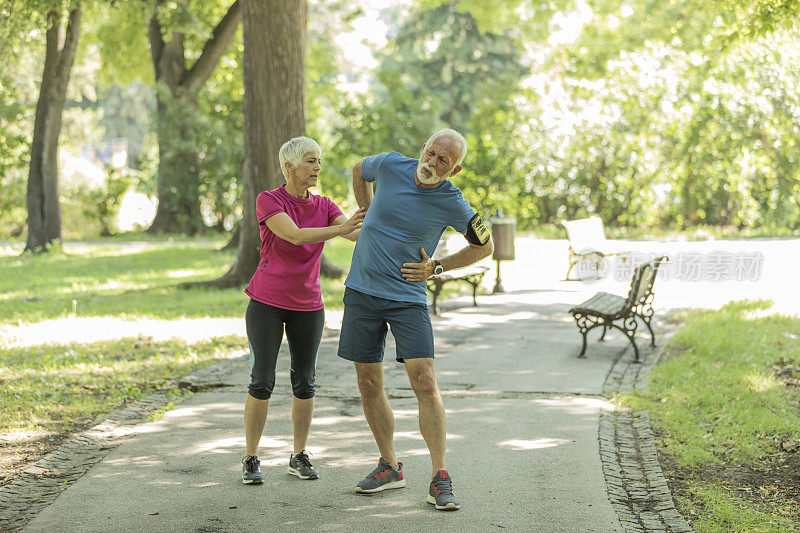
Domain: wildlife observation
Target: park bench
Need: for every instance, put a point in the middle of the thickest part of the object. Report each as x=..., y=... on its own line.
x=588, y=243
x=472, y=275
x=612, y=311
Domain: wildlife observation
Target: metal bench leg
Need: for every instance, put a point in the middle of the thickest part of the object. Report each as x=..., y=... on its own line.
x=629, y=330
x=572, y=263
x=603, y=336
x=646, y=316
x=435, y=304
x=585, y=325
x=582, y=355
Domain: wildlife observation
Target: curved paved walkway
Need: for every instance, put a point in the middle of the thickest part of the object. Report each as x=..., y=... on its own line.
x=523, y=416
x=524, y=446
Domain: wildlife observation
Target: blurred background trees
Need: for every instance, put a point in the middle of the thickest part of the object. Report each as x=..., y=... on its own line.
x=649, y=114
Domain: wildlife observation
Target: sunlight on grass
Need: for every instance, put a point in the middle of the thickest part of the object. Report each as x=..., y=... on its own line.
x=761, y=383
x=132, y=279
x=56, y=386
x=182, y=273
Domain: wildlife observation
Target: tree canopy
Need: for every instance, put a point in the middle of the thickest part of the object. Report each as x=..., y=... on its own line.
x=646, y=113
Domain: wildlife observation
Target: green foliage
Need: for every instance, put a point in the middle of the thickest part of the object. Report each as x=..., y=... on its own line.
x=533, y=17
x=219, y=141
x=441, y=70
x=102, y=204
x=125, y=114
x=119, y=30
x=19, y=67
x=13, y=163
x=673, y=114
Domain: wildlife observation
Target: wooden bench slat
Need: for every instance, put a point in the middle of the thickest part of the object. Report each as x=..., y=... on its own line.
x=602, y=303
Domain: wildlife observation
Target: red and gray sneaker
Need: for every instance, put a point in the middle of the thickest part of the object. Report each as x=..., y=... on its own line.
x=382, y=478
x=441, y=494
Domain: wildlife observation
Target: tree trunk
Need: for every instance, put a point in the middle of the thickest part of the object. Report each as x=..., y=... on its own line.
x=178, y=208
x=44, y=216
x=273, y=111
x=328, y=270
x=233, y=243
x=177, y=87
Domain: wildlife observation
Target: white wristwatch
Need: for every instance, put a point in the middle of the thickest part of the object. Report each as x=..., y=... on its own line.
x=437, y=267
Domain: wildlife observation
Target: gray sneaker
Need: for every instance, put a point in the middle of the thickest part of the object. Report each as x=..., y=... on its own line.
x=251, y=471
x=382, y=478
x=300, y=466
x=440, y=493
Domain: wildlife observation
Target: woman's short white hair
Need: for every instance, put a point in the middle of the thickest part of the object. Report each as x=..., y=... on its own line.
x=452, y=134
x=293, y=151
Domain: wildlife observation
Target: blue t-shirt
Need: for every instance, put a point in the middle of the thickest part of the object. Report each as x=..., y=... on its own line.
x=401, y=218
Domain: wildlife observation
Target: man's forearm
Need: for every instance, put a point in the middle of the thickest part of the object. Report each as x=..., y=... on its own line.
x=362, y=190
x=467, y=256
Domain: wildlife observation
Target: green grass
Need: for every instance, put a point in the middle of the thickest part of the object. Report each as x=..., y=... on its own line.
x=56, y=387
x=718, y=402
x=725, y=513
x=119, y=279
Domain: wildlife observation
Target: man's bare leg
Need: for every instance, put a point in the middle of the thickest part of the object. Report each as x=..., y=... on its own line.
x=377, y=409
x=432, y=421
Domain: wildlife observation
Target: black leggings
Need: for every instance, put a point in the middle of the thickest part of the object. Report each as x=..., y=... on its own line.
x=265, y=334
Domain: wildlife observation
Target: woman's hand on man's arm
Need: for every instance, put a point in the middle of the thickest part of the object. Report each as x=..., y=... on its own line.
x=351, y=227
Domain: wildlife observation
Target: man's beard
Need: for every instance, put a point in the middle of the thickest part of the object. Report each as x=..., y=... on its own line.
x=432, y=180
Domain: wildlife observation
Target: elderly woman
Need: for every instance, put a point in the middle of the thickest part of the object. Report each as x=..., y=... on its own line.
x=285, y=292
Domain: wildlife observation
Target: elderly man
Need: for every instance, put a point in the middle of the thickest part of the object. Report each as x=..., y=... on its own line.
x=414, y=203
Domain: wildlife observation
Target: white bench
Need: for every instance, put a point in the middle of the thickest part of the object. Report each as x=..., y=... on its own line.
x=587, y=242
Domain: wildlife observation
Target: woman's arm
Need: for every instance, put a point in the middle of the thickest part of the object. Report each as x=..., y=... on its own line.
x=284, y=227
x=353, y=235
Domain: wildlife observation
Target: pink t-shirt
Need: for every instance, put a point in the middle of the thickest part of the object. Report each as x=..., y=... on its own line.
x=288, y=274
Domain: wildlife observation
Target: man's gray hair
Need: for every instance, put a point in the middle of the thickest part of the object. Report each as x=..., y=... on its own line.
x=453, y=134
x=293, y=151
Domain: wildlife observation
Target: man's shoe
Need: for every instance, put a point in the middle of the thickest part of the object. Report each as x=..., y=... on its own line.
x=441, y=494
x=300, y=466
x=382, y=478
x=251, y=471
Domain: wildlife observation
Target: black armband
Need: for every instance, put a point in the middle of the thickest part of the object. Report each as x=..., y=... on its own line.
x=477, y=233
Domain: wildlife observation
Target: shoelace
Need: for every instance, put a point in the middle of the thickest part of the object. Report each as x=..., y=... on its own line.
x=251, y=463
x=303, y=459
x=379, y=470
x=444, y=485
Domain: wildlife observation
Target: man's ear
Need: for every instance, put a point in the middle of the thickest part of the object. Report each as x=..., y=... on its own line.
x=288, y=166
x=456, y=170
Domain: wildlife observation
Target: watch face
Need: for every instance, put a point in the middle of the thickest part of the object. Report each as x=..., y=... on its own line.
x=438, y=269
